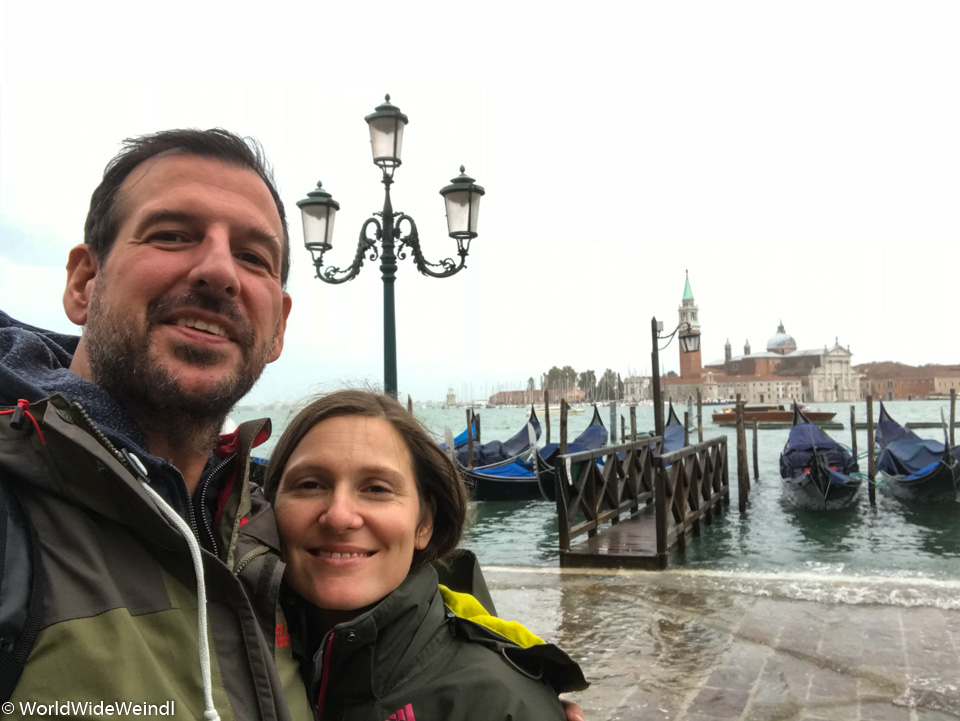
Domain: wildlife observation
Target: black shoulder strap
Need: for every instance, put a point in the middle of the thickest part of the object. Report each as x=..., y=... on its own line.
x=21, y=589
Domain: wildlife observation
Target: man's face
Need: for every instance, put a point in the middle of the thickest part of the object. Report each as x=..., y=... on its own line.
x=187, y=308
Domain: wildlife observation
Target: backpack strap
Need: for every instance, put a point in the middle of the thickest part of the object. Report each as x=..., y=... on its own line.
x=21, y=589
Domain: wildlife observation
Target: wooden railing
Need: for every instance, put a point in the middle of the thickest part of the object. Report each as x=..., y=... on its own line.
x=690, y=482
x=686, y=487
x=590, y=494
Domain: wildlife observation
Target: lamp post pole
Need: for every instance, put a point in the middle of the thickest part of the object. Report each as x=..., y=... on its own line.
x=462, y=201
x=655, y=364
x=388, y=270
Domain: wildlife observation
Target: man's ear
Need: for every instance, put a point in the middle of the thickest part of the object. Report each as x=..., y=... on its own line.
x=82, y=270
x=281, y=328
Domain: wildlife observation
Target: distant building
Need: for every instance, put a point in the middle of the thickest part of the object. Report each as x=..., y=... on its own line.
x=526, y=398
x=451, y=398
x=637, y=388
x=779, y=374
x=890, y=381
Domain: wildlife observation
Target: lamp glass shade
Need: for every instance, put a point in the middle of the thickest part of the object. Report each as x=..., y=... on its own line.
x=318, y=226
x=386, y=140
x=690, y=343
x=463, y=208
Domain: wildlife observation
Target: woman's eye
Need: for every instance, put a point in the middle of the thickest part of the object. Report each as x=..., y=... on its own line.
x=376, y=488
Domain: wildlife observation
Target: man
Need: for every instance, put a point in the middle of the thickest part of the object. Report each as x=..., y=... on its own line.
x=179, y=286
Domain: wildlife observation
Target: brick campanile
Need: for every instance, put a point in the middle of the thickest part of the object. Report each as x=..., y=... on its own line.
x=690, y=364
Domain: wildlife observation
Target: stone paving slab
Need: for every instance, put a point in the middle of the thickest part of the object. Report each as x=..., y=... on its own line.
x=688, y=646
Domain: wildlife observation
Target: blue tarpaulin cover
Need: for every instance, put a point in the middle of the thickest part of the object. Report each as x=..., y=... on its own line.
x=517, y=469
x=909, y=455
x=672, y=433
x=798, y=453
x=904, y=452
x=497, y=451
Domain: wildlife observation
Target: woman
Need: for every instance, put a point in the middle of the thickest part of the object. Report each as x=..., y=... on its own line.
x=366, y=502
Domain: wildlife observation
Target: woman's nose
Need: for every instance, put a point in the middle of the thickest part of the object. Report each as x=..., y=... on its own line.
x=340, y=513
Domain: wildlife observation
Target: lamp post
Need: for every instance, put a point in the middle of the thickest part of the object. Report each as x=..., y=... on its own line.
x=462, y=200
x=689, y=343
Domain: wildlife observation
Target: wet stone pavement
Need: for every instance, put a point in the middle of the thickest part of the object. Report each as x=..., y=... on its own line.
x=690, y=646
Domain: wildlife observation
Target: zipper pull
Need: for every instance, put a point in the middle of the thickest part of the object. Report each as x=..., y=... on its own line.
x=16, y=421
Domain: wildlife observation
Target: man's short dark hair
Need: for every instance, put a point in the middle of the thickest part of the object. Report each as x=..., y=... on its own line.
x=103, y=218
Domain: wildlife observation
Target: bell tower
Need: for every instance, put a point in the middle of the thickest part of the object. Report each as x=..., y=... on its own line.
x=690, y=364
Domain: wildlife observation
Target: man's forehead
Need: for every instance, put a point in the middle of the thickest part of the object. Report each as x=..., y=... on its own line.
x=173, y=167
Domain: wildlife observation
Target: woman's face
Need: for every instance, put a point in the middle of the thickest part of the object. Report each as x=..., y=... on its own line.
x=349, y=513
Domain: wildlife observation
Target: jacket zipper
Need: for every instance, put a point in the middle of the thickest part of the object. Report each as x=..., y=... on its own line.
x=324, y=673
x=203, y=496
x=242, y=563
x=95, y=431
x=104, y=441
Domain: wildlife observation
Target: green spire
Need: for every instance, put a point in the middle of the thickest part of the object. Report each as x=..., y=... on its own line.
x=687, y=293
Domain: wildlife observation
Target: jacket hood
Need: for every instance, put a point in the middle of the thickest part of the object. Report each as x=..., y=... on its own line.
x=35, y=364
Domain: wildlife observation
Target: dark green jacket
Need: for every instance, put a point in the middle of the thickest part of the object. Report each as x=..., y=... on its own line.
x=413, y=656
x=120, y=593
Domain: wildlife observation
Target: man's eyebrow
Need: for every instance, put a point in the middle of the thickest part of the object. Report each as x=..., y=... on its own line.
x=260, y=234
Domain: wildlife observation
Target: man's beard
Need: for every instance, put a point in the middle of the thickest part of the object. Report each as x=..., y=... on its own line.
x=121, y=362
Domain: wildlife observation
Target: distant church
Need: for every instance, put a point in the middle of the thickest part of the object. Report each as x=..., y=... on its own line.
x=778, y=375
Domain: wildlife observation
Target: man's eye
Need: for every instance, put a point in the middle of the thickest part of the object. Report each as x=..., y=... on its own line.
x=168, y=237
x=253, y=259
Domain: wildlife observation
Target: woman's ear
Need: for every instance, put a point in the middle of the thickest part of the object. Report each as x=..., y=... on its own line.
x=81, y=274
x=425, y=527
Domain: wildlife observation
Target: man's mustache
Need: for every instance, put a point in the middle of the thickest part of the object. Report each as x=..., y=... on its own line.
x=195, y=299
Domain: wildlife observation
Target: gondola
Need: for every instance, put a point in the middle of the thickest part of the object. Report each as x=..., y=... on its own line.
x=915, y=470
x=496, y=452
x=594, y=436
x=512, y=479
x=817, y=471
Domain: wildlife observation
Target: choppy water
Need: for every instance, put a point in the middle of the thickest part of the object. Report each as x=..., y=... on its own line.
x=889, y=540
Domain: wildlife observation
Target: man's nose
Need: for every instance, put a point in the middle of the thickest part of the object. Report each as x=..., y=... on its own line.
x=216, y=267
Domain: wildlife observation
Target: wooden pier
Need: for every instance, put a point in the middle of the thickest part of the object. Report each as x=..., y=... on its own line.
x=634, y=505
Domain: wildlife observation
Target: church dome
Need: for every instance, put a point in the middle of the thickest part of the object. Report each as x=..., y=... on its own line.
x=782, y=342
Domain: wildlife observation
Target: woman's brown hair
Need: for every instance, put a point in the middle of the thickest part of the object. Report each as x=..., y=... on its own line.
x=438, y=480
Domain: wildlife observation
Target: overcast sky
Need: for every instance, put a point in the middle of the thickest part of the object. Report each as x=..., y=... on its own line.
x=802, y=160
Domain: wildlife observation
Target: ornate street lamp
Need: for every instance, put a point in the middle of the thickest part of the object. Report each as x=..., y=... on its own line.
x=689, y=343
x=462, y=200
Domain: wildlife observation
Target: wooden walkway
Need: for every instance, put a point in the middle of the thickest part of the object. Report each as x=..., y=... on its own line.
x=635, y=505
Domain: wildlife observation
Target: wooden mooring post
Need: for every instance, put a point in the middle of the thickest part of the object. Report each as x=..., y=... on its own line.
x=743, y=475
x=953, y=415
x=853, y=430
x=633, y=423
x=756, y=462
x=613, y=421
x=686, y=428
x=623, y=429
x=546, y=412
x=409, y=404
x=871, y=467
x=563, y=425
x=469, y=438
x=699, y=416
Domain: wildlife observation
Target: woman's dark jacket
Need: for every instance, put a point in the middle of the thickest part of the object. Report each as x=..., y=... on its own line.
x=427, y=653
